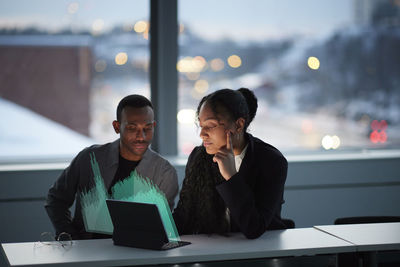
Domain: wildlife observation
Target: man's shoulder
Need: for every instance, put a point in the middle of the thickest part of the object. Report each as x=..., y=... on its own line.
x=98, y=149
x=156, y=167
x=155, y=158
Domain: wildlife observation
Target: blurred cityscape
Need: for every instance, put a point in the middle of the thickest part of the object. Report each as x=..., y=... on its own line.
x=336, y=91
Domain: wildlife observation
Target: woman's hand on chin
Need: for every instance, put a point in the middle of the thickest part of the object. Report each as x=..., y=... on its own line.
x=225, y=158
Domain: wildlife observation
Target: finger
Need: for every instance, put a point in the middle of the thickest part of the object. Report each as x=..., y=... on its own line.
x=228, y=140
x=229, y=144
x=222, y=152
x=219, y=155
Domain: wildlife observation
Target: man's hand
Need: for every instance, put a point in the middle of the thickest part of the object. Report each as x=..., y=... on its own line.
x=226, y=158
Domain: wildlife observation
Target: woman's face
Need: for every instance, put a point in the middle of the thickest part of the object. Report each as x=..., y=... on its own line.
x=213, y=130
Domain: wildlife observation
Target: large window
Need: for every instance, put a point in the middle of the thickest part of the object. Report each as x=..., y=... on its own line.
x=326, y=73
x=64, y=67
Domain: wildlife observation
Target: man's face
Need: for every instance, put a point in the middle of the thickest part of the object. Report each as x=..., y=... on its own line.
x=136, y=130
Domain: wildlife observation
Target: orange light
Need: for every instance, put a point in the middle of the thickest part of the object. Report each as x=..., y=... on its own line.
x=140, y=26
x=121, y=58
x=313, y=63
x=234, y=61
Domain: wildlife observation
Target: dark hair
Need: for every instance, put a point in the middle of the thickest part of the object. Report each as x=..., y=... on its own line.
x=135, y=101
x=235, y=104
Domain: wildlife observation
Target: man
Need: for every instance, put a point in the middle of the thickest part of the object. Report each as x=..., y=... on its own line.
x=135, y=125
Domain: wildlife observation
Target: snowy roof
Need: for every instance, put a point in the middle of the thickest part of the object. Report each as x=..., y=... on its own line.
x=45, y=40
x=26, y=135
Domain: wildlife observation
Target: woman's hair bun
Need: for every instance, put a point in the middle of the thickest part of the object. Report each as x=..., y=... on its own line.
x=251, y=101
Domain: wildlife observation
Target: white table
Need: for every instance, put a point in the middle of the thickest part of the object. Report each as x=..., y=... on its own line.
x=102, y=252
x=369, y=239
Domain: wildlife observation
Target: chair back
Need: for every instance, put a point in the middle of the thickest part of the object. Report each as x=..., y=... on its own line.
x=367, y=219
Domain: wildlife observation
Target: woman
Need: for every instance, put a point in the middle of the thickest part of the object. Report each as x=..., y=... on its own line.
x=234, y=181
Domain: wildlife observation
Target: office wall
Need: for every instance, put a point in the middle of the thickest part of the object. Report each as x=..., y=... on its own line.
x=316, y=193
x=319, y=192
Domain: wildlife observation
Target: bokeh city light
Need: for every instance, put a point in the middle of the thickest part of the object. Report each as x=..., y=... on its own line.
x=121, y=58
x=313, y=63
x=234, y=61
